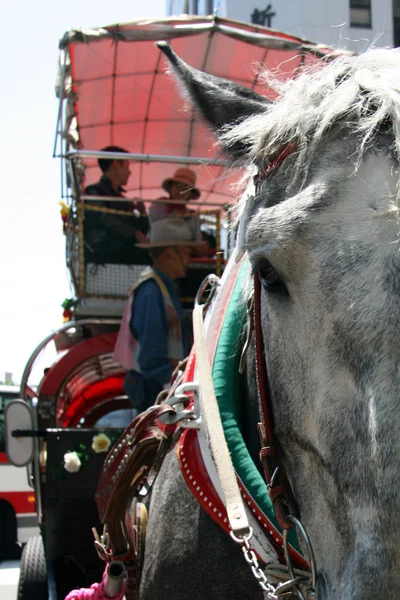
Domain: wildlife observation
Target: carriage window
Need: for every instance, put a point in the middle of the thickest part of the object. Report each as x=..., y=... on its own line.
x=360, y=13
x=119, y=419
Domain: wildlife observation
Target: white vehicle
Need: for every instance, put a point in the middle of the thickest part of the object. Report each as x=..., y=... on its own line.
x=18, y=519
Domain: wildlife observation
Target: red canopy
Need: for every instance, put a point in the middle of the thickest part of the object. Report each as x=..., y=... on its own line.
x=118, y=91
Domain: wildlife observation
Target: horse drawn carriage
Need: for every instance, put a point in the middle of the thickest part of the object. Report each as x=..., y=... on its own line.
x=312, y=302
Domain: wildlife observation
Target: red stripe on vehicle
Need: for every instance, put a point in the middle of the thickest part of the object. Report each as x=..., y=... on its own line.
x=3, y=458
x=22, y=502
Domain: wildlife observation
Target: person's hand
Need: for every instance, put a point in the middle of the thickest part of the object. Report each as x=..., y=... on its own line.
x=140, y=206
x=141, y=238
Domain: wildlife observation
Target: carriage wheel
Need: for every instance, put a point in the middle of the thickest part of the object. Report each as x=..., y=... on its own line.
x=33, y=573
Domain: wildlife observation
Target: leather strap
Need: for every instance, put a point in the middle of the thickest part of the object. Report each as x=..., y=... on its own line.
x=210, y=413
x=278, y=486
x=127, y=468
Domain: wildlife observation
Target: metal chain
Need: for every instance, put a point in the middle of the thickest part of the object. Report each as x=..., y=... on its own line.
x=292, y=580
x=258, y=573
x=187, y=418
x=252, y=560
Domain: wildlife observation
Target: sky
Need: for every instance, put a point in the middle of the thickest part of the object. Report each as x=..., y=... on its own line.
x=33, y=275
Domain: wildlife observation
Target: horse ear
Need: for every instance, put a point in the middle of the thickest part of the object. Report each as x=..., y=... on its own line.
x=221, y=102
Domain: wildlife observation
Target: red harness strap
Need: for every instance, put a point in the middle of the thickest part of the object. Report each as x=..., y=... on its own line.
x=199, y=483
x=275, y=162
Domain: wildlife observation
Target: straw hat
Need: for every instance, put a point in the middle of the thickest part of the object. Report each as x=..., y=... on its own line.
x=170, y=232
x=186, y=177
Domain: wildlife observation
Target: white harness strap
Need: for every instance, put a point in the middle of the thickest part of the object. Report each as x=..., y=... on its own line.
x=210, y=412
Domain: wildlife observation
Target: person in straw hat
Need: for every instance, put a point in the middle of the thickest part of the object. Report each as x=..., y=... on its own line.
x=153, y=335
x=180, y=187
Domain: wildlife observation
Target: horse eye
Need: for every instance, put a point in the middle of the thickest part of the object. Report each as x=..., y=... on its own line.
x=268, y=276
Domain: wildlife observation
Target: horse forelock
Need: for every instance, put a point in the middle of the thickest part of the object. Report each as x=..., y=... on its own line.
x=359, y=93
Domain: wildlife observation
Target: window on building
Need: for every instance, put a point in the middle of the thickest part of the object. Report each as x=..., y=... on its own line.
x=178, y=7
x=204, y=7
x=360, y=13
x=396, y=22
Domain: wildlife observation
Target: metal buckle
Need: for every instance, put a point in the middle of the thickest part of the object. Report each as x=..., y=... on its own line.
x=249, y=327
x=179, y=399
x=309, y=551
x=211, y=280
x=102, y=551
x=179, y=413
x=172, y=417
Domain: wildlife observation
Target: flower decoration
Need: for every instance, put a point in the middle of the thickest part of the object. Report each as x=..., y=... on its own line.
x=76, y=459
x=101, y=443
x=72, y=462
x=64, y=212
x=68, y=305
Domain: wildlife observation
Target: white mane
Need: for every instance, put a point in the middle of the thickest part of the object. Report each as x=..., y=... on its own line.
x=361, y=92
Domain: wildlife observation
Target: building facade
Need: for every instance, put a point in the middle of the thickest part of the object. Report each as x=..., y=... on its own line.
x=352, y=24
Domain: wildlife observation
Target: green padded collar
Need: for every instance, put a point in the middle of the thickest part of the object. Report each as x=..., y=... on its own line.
x=227, y=385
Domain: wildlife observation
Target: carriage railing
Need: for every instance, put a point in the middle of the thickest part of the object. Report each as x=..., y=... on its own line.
x=92, y=277
x=101, y=286
x=73, y=169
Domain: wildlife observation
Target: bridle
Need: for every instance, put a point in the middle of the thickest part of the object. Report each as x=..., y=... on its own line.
x=278, y=486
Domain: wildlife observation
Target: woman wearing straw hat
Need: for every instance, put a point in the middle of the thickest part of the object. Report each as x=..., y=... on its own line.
x=180, y=187
x=153, y=336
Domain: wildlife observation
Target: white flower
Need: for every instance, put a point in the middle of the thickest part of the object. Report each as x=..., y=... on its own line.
x=72, y=462
x=101, y=443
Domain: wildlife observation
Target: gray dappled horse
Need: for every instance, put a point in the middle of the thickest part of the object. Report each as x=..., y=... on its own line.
x=324, y=236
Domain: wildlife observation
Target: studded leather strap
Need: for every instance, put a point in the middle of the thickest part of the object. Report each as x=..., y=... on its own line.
x=124, y=473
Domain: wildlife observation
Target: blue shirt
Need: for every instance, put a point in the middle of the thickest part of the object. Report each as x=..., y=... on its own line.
x=149, y=326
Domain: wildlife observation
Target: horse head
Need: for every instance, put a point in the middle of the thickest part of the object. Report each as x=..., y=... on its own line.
x=322, y=235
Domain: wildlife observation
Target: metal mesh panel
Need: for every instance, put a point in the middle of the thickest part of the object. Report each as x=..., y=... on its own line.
x=111, y=280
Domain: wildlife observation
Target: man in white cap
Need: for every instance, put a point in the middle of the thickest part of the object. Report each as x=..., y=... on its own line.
x=153, y=336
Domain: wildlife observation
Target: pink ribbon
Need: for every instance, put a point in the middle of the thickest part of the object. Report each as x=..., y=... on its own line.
x=95, y=592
